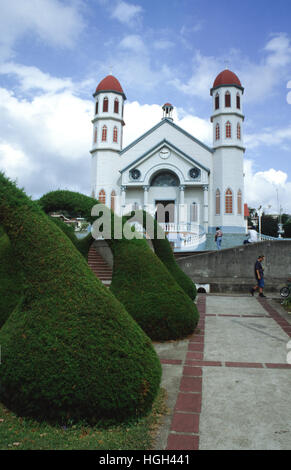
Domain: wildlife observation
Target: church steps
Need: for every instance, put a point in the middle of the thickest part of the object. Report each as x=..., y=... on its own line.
x=99, y=266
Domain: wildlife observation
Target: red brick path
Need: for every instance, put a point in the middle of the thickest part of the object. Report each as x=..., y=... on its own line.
x=184, y=431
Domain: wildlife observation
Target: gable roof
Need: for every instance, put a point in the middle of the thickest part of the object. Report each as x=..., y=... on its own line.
x=132, y=144
x=160, y=144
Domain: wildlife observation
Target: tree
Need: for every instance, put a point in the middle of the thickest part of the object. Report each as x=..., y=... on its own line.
x=269, y=225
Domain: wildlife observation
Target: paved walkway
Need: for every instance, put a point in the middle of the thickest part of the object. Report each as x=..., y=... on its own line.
x=229, y=384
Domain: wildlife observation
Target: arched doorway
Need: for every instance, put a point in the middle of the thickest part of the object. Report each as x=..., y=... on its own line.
x=164, y=183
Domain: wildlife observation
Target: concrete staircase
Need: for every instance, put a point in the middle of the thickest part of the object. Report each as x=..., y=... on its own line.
x=99, y=266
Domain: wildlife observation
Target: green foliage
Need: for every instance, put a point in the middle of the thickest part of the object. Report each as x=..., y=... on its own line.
x=27, y=434
x=149, y=293
x=140, y=280
x=287, y=230
x=70, y=351
x=82, y=244
x=269, y=225
x=164, y=251
x=10, y=278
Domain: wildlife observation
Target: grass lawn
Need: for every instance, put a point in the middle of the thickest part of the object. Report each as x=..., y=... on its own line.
x=25, y=434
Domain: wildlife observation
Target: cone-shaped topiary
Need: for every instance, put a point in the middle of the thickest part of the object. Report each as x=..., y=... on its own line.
x=140, y=280
x=164, y=251
x=70, y=351
x=10, y=279
x=80, y=204
x=149, y=293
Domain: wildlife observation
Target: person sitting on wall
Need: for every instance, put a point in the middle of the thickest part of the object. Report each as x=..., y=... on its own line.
x=252, y=235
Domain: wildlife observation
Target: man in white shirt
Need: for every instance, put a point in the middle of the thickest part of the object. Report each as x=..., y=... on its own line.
x=252, y=235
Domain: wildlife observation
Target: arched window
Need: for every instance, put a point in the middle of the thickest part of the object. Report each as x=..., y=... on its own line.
x=96, y=109
x=105, y=105
x=228, y=130
x=217, y=202
x=217, y=132
x=112, y=203
x=238, y=131
x=228, y=201
x=116, y=106
x=102, y=196
x=217, y=101
x=115, y=134
x=238, y=101
x=227, y=100
x=95, y=135
x=239, y=202
x=165, y=178
x=104, y=133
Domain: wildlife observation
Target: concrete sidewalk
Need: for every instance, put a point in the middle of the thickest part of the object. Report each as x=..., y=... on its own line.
x=229, y=383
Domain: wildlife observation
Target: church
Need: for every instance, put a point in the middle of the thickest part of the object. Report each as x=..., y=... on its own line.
x=199, y=187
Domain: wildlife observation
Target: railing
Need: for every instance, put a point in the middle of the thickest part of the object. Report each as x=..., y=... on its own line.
x=262, y=237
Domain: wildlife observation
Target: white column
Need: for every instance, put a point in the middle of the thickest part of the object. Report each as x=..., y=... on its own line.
x=123, y=196
x=145, y=196
x=205, y=204
x=182, y=208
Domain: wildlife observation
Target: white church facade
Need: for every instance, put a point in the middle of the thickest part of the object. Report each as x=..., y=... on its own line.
x=201, y=187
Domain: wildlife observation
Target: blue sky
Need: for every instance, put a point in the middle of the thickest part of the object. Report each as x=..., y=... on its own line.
x=53, y=53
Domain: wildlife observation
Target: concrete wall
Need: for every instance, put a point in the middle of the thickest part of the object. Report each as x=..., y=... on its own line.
x=232, y=269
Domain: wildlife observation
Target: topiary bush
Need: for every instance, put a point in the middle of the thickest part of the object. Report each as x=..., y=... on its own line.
x=139, y=280
x=82, y=244
x=149, y=293
x=10, y=278
x=164, y=251
x=70, y=351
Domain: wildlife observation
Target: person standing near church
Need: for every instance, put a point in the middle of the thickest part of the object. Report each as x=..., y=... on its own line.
x=259, y=275
x=218, y=238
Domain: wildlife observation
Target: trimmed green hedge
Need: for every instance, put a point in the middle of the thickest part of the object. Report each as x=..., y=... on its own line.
x=10, y=278
x=82, y=244
x=149, y=293
x=140, y=280
x=164, y=251
x=70, y=351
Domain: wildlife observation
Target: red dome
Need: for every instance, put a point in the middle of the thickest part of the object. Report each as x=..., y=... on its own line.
x=109, y=83
x=226, y=77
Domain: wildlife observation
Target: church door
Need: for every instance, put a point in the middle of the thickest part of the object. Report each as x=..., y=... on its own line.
x=165, y=212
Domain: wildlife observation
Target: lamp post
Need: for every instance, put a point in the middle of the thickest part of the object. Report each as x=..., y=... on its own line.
x=260, y=221
x=280, y=225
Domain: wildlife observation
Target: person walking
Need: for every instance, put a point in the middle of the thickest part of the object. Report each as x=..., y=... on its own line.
x=259, y=275
x=218, y=238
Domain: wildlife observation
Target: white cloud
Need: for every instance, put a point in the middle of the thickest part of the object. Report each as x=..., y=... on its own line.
x=267, y=188
x=258, y=78
x=206, y=69
x=134, y=43
x=269, y=137
x=45, y=142
x=50, y=20
x=126, y=13
x=289, y=94
x=140, y=118
x=33, y=78
x=163, y=44
x=14, y=161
